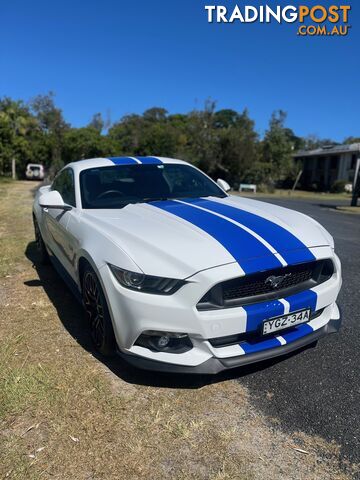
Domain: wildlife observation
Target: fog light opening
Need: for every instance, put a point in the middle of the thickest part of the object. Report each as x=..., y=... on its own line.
x=160, y=343
x=169, y=342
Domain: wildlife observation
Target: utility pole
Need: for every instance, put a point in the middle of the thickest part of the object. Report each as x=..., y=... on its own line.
x=356, y=184
x=13, y=168
x=297, y=180
x=13, y=161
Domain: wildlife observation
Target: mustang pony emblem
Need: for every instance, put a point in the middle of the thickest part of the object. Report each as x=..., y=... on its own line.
x=276, y=281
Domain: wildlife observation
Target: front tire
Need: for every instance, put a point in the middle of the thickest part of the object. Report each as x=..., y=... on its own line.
x=40, y=245
x=97, y=312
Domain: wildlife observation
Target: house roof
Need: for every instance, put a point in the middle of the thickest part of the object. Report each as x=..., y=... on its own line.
x=329, y=150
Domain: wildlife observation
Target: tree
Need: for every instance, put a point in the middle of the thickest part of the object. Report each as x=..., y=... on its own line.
x=224, y=143
x=226, y=118
x=278, y=147
x=155, y=114
x=312, y=142
x=126, y=134
x=87, y=142
x=238, y=144
x=149, y=134
x=18, y=131
x=53, y=125
x=97, y=122
x=203, y=147
x=350, y=140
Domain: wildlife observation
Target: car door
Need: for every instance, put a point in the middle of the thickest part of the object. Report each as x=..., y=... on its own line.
x=56, y=220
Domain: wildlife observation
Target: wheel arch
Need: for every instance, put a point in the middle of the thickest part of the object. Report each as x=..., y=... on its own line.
x=84, y=259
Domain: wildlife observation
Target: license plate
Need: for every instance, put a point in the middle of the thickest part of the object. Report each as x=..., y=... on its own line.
x=285, y=321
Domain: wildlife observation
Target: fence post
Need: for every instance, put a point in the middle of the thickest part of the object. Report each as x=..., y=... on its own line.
x=13, y=168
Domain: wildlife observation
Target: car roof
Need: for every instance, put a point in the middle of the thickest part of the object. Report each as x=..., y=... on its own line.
x=112, y=161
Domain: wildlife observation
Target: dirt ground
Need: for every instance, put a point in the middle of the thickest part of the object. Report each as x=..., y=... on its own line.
x=67, y=414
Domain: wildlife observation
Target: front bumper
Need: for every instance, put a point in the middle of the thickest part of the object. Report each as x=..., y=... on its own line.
x=217, y=365
x=134, y=313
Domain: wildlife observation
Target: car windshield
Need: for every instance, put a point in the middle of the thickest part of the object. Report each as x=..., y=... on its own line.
x=115, y=187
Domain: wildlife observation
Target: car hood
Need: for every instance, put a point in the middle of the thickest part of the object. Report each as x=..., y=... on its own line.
x=179, y=238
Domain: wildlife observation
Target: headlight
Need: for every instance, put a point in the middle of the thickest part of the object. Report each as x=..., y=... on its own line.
x=146, y=283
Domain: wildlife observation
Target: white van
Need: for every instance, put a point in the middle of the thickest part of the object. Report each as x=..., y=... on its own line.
x=35, y=171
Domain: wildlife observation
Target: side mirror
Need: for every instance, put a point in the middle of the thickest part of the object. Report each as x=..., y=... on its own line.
x=223, y=185
x=53, y=199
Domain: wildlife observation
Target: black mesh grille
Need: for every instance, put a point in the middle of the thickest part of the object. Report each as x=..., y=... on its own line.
x=235, y=289
x=270, y=284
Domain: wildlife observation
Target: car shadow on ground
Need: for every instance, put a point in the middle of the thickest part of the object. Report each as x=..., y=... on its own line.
x=71, y=315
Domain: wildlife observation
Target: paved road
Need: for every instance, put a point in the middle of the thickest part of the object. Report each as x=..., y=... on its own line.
x=318, y=390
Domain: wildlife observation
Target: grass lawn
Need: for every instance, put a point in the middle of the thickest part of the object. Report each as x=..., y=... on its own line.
x=65, y=414
x=302, y=194
x=5, y=180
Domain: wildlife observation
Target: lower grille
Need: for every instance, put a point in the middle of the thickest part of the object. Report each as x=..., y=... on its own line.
x=252, y=337
x=271, y=284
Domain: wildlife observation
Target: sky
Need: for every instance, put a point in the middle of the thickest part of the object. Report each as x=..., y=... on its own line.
x=119, y=57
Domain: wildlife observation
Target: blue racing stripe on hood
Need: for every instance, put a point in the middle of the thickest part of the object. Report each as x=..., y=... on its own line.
x=249, y=252
x=284, y=242
x=149, y=160
x=123, y=160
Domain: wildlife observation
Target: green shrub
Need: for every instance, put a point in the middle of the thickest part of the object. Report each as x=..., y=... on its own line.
x=266, y=188
x=338, y=186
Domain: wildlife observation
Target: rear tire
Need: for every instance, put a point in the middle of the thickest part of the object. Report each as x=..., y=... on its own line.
x=97, y=312
x=40, y=245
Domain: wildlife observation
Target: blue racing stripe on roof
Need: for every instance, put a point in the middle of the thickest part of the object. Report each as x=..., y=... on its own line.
x=249, y=347
x=306, y=299
x=123, y=161
x=249, y=252
x=256, y=313
x=290, y=248
x=150, y=160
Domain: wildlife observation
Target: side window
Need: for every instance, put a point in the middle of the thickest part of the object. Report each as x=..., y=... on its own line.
x=64, y=184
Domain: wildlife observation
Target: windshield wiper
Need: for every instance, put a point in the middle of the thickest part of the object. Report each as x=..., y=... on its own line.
x=153, y=199
x=216, y=196
x=163, y=199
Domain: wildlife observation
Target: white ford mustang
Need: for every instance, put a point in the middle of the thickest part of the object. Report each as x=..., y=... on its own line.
x=176, y=275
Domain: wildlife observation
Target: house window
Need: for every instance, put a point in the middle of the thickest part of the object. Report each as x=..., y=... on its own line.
x=334, y=162
x=353, y=162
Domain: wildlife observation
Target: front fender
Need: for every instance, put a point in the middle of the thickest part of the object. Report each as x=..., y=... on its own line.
x=95, y=247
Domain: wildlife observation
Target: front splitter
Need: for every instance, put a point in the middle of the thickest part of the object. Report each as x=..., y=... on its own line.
x=217, y=365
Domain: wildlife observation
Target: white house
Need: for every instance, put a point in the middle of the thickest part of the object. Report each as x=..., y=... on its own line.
x=324, y=166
